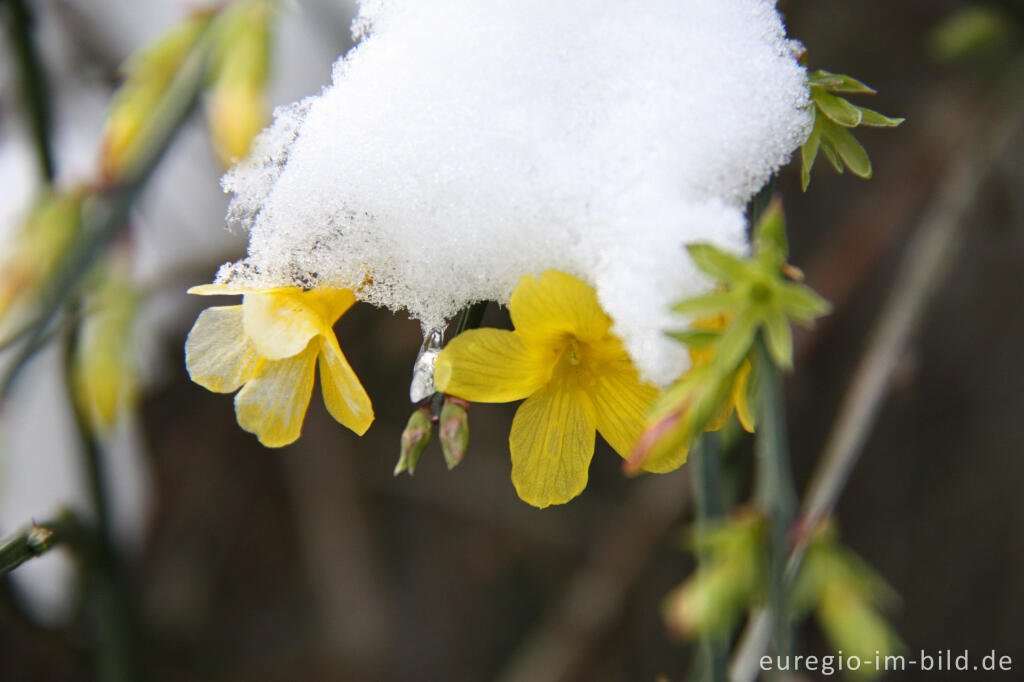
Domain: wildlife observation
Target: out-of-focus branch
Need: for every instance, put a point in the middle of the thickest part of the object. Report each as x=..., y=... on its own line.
x=37, y=539
x=32, y=82
x=926, y=262
x=106, y=213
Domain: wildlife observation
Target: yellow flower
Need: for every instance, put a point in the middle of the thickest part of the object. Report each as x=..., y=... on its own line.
x=269, y=346
x=574, y=374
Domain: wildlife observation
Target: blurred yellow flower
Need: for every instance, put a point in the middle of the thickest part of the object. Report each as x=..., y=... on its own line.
x=269, y=346
x=574, y=374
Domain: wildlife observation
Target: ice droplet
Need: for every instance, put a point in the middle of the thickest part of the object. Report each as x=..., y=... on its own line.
x=422, y=386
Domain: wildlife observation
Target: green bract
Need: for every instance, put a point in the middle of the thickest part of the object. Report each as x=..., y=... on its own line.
x=833, y=118
x=756, y=296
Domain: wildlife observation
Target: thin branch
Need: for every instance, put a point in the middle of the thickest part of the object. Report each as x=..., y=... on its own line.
x=106, y=214
x=36, y=539
x=709, y=507
x=775, y=491
x=33, y=84
x=927, y=261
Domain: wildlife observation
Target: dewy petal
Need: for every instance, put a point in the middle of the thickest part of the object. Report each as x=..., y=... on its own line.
x=280, y=322
x=344, y=396
x=218, y=354
x=555, y=305
x=273, y=403
x=621, y=402
x=492, y=366
x=552, y=442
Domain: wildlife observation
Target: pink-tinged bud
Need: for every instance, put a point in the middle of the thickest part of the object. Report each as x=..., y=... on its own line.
x=454, y=430
x=414, y=440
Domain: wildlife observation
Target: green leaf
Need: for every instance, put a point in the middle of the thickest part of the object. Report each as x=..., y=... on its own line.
x=696, y=338
x=770, y=232
x=808, y=153
x=779, y=339
x=837, y=82
x=720, y=265
x=831, y=154
x=849, y=149
x=737, y=340
x=876, y=120
x=710, y=304
x=802, y=303
x=837, y=108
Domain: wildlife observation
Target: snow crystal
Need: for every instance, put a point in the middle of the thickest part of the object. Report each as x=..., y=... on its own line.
x=465, y=143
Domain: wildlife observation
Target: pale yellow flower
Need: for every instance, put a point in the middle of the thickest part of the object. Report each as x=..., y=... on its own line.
x=269, y=347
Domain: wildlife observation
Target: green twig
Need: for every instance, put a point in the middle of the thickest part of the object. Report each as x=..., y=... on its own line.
x=710, y=507
x=33, y=83
x=36, y=539
x=774, y=491
x=106, y=214
x=107, y=586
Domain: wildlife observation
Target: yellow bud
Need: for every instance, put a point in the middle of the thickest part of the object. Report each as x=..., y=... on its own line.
x=146, y=75
x=103, y=369
x=236, y=115
x=36, y=251
x=236, y=108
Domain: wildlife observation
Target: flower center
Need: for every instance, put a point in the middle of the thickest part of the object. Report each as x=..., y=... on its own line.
x=572, y=352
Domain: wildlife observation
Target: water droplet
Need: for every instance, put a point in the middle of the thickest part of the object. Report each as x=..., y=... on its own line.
x=422, y=386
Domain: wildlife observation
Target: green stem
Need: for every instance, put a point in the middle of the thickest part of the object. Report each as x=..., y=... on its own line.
x=36, y=539
x=106, y=581
x=710, y=506
x=471, y=317
x=32, y=82
x=106, y=214
x=774, y=490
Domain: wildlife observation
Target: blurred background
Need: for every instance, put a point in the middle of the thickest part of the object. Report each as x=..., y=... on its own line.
x=314, y=563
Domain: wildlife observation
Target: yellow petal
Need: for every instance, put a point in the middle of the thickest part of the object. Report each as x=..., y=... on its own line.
x=620, y=401
x=218, y=355
x=552, y=442
x=739, y=397
x=273, y=403
x=344, y=396
x=491, y=366
x=218, y=290
x=555, y=305
x=280, y=322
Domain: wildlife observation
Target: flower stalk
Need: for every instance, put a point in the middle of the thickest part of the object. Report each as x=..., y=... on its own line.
x=710, y=506
x=774, y=489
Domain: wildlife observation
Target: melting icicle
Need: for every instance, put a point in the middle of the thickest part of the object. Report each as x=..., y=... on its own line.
x=422, y=386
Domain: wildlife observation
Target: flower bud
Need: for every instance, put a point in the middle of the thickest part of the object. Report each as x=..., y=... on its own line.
x=728, y=580
x=36, y=252
x=454, y=430
x=414, y=440
x=103, y=370
x=236, y=107
x=147, y=75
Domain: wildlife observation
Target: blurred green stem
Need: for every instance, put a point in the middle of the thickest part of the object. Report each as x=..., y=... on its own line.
x=106, y=584
x=32, y=81
x=106, y=213
x=774, y=491
x=710, y=506
x=36, y=539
